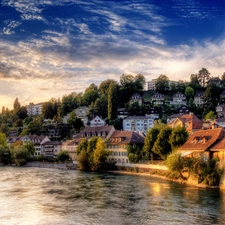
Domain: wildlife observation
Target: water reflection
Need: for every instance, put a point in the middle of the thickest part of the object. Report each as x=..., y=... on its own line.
x=47, y=196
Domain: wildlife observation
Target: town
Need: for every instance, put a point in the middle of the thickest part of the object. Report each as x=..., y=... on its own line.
x=179, y=124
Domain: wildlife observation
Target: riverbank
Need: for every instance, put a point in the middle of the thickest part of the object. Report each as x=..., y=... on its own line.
x=133, y=169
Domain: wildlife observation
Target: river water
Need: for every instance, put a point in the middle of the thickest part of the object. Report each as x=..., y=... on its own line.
x=39, y=196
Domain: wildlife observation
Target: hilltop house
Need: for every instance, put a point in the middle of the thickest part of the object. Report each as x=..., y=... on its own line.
x=97, y=122
x=34, y=109
x=179, y=99
x=158, y=98
x=220, y=110
x=117, y=144
x=136, y=98
x=199, y=98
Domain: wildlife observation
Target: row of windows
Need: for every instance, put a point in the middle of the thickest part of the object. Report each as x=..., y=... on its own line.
x=118, y=153
x=118, y=160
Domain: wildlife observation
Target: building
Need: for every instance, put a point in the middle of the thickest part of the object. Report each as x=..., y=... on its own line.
x=179, y=99
x=151, y=85
x=136, y=98
x=138, y=123
x=122, y=113
x=191, y=122
x=199, y=98
x=221, y=122
x=214, y=80
x=89, y=132
x=158, y=98
x=220, y=110
x=38, y=141
x=34, y=109
x=71, y=146
x=117, y=145
x=97, y=122
x=51, y=149
x=82, y=113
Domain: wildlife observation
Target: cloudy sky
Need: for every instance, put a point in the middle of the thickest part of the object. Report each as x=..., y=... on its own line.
x=49, y=48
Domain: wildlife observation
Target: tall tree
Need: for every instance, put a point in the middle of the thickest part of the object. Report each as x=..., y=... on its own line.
x=149, y=141
x=112, y=102
x=162, y=146
x=178, y=137
x=162, y=83
x=203, y=76
x=16, y=104
x=104, y=86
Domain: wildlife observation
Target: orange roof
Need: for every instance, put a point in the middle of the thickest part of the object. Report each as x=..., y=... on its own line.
x=202, y=140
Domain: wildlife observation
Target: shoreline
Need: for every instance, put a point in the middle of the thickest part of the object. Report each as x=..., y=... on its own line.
x=70, y=166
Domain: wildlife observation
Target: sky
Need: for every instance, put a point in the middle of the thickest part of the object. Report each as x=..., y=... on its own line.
x=50, y=48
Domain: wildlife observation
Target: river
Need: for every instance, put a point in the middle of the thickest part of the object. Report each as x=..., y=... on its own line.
x=40, y=196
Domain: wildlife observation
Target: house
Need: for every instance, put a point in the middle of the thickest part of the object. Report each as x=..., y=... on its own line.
x=51, y=149
x=214, y=80
x=179, y=99
x=71, y=147
x=220, y=110
x=13, y=139
x=222, y=96
x=82, y=113
x=153, y=113
x=173, y=117
x=136, y=98
x=158, y=98
x=122, y=113
x=37, y=141
x=201, y=142
x=89, y=132
x=209, y=124
x=138, y=123
x=221, y=122
x=34, y=109
x=199, y=98
x=191, y=122
x=183, y=109
x=117, y=145
x=97, y=122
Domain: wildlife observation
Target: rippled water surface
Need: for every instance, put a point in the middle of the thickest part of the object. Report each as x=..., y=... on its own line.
x=39, y=196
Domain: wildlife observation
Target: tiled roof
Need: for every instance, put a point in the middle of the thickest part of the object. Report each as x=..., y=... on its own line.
x=89, y=129
x=193, y=121
x=202, y=140
x=52, y=143
x=36, y=137
x=125, y=137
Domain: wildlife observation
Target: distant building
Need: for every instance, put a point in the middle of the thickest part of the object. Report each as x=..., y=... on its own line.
x=34, y=109
x=138, y=123
x=97, y=122
x=199, y=98
x=71, y=147
x=151, y=85
x=82, y=113
x=214, y=80
x=136, y=98
x=158, y=98
x=179, y=99
x=220, y=110
x=122, y=113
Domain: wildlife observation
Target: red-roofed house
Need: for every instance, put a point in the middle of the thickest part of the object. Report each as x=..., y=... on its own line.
x=201, y=142
x=191, y=122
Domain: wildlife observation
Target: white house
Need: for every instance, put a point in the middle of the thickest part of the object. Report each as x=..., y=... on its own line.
x=97, y=122
x=51, y=148
x=138, y=123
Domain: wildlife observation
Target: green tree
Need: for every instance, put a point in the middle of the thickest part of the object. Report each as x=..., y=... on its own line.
x=203, y=76
x=20, y=155
x=16, y=104
x=210, y=115
x=135, y=152
x=63, y=156
x=112, y=102
x=69, y=103
x=189, y=92
x=104, y=86
x=162, y=83
x=74, y=122
x=100, y=155
x=150, y=139
x=162, y=146
x=178, y=137
x=50, y=108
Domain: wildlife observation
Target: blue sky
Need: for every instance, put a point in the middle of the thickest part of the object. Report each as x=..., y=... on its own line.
x=49, y=48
